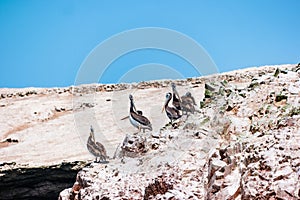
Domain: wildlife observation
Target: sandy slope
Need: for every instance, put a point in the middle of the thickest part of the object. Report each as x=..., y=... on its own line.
x=53, y=125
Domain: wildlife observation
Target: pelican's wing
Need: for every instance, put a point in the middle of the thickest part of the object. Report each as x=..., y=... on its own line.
x=141, y=119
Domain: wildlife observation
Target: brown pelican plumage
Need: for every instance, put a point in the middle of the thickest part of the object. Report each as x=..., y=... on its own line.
x=172, y=112
x=139, y=112
x=188, y=98
x=176, y=98
x=137, y=119
x=188, y=103
x=96, y=148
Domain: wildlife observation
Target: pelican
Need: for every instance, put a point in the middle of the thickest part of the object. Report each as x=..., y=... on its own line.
x=96, y=148
x=176, y=98
x=188, y=98
x=172, y=113
x=137, y=119
x=188, y=103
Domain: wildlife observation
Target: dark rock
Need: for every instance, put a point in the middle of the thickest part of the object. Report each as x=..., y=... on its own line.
x=209, y=87
x=134, y=145
x=158, y=187
x=277, y=72
x=12, y=140
x=208, y=94
x=253, y=85
x=280, y=97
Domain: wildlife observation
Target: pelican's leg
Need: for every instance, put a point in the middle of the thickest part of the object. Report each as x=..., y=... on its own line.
x=104, y=158
x=143, y=130
x=138, y=130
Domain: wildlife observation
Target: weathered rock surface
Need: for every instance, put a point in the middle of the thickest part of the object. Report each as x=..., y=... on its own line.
x=241, y=143
x=244, y=143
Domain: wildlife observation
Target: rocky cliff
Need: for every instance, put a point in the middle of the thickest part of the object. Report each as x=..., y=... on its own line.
x=242, y=143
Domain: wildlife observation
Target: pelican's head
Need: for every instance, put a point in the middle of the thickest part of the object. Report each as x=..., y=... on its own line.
x=131, y=101
x=175, y=90
x=92, y=133
x=131, y=97
x=168, y=97
x=188, y=94
x=173, y=86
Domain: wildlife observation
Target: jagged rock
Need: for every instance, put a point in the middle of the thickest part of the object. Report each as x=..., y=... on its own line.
x=277, y=72
x=280, y=97
x=158, y=187
x=242, y=144
x=217, y=164
x=66, y=194
x=209, y=87
x=134, y=145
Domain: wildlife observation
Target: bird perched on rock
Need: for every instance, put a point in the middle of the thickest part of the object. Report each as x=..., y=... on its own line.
x=96, y=148
x=137, y=119
x=188, y=103
x=172, y=112
x=176, y=98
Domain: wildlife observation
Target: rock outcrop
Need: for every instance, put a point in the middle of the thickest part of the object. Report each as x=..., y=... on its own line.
x=243, y=143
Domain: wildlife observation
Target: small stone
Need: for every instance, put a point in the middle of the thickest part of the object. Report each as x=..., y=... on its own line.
x=155, y=135
x=280, y=97
x=217, y=164
x=76, y=187
x=277, y=72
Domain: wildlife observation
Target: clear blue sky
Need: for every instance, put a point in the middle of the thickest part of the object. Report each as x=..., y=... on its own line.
x=44, y=43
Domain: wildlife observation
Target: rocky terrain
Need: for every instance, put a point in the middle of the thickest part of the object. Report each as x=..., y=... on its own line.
x=242, y=143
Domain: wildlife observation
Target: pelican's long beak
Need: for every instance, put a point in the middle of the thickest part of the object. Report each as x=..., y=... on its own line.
x=125, y=117
x=178, y=95
x=163, y=108
x=92, y=135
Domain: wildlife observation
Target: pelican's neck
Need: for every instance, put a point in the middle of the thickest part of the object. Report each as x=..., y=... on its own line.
x=132, y=106
x=92, y=137
x=167, y=102
x=175, y=94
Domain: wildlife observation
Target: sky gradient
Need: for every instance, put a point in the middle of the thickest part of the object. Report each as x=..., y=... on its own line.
x=44, y=43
